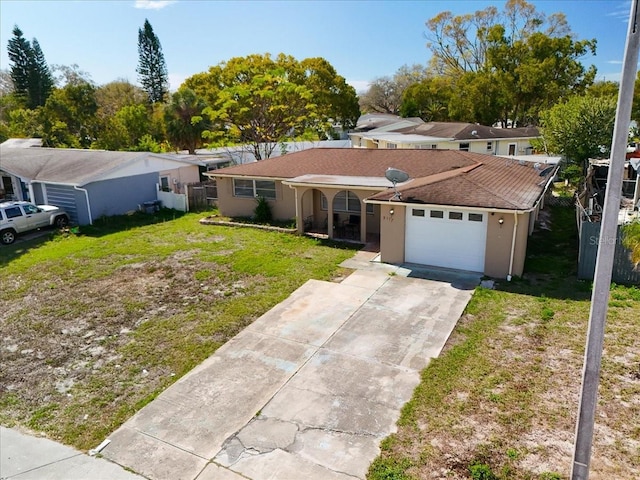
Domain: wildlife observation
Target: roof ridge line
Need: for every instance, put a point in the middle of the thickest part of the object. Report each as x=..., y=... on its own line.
x=439, y=177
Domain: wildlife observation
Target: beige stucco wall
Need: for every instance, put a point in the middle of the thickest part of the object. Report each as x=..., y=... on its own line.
x=498, y=147
x=498, y=243
x=392, y=230
x=282, y=208
x=499, y=239
x=178, y=177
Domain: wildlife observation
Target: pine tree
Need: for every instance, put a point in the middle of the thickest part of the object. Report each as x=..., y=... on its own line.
x=31, y=77
x=19, y=51
x=41, y=82
x=152, y=69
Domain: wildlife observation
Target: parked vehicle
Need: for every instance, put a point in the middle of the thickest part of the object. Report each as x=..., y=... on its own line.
x=20, y=217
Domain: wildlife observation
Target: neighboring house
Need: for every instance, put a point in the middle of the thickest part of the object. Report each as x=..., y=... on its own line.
x=89, y=184
x=468, y=137
x=238, y=155
x=459, y=210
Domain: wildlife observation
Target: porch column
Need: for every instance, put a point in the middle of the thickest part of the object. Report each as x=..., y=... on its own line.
x=363, y=222
x=329, y=198
x=299, y=219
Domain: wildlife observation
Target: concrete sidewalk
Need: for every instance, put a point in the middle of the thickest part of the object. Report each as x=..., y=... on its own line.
x=306, y=391
x=25, y=457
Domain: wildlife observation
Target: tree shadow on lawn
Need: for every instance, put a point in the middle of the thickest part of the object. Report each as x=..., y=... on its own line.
x=551, y=266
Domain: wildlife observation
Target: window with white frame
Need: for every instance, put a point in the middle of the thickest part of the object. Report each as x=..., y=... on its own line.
x=489, y=146
x=254, y=188
x=164, y=184
x=392, y=145
x=464, y=146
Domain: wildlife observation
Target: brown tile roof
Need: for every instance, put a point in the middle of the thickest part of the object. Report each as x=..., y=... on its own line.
x=441, y=177
x=498, y=183
x=359, y=162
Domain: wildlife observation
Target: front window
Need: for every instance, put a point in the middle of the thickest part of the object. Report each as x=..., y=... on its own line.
x=266, y=189
x=464, y=146
x=254, y=188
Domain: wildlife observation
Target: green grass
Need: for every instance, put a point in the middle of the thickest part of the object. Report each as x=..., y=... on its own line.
x=96, y=325
x=503, y=394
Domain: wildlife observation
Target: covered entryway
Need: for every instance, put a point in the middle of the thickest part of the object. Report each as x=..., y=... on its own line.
x=448, y=238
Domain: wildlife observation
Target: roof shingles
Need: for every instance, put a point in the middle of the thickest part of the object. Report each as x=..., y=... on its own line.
x=478, y=181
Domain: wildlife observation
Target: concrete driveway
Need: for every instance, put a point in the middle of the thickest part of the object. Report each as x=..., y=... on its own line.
x=309, y=389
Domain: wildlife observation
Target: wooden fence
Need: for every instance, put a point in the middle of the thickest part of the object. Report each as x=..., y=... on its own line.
x=201, y=196
x=624, y=272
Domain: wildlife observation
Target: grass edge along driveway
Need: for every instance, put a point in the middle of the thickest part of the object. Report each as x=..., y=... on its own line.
x=95, y=325
x=501, y=400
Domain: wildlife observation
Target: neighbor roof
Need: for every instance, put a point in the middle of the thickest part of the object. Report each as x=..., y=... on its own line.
x=468, y=131
x=71, y=166
x=441, y=177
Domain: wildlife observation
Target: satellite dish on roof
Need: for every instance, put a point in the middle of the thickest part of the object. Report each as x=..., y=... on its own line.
x=396, y=176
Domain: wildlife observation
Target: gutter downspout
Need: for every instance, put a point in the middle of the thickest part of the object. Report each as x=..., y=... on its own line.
x=86, y=194
x=513, y=246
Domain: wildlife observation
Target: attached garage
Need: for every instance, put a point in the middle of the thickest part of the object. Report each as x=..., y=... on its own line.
x=451, y=238
x=63, y=196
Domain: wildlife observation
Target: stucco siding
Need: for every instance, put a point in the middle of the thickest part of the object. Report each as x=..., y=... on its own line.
x=282, y=208
x=392, y=234
x=499, y=241
x=121, y=195
x=179, y=177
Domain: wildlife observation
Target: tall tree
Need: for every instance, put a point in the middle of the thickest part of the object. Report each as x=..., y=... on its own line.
x=32, y=79
x=531, y=61
x=69, y=117
x=385, y=93
x=19, y=51
x=41, y=81
x=331, y=94
x=70, y=75
x=152, y=69
x=259, y=101
x=579, y=129
x=185, y=120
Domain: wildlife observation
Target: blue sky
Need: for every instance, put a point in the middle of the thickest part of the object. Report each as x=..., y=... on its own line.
x=361, y=39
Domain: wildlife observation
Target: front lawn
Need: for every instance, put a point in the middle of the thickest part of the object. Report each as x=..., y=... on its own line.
x=94, y=326
x=501, y=401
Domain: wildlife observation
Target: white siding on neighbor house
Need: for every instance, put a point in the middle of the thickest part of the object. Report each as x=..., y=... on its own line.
x=446, y=242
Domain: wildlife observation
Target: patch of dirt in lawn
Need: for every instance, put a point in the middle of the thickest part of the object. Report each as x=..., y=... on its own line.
x=62, y=342
x=518, y=417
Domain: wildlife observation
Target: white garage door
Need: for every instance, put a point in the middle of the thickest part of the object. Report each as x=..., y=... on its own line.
x=446, y=238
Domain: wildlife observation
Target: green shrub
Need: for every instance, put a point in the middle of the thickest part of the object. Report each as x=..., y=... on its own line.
x=263, y=211
x=389, y=469
x=631, y=240
x=481, y=471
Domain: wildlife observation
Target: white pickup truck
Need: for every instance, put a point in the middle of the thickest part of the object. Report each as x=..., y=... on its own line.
x=20, y=217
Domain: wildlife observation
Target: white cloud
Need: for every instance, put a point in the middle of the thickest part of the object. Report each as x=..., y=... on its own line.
x=153, y=4
x=361, y=86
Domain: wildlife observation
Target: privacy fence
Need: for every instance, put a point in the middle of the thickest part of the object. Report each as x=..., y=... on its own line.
x=201, y=196
x=624, y=272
